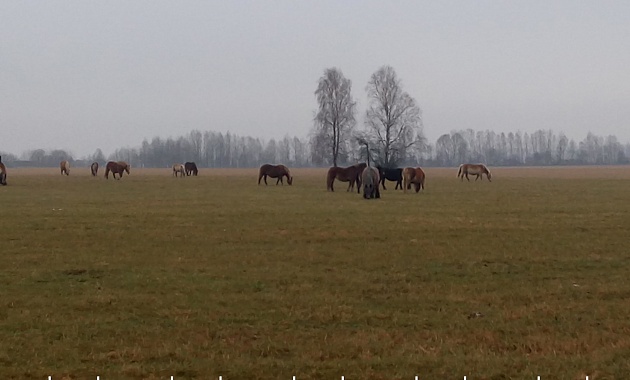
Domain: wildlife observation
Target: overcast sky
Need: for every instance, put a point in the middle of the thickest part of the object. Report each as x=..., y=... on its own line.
x=81, y=75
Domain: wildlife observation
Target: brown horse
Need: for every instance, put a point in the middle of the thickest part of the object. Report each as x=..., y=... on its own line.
x=65, y=167
x=116, y=168
x=3, y=173
x=275, y=171
x=350, y=174
x=179, y=168
x=413, y=176
x=475, y=169
x=94, y=168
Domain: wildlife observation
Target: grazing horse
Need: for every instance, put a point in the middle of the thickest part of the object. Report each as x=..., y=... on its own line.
x=179, y=168
x=475, y=169
x=191, y=168
x=350, y=174
x=116, y=168
x=413, y=176
x=391, y=175
x=275, y=171
x=371, y=181
x=65, y=167
x=3, y=173
x=94, y=168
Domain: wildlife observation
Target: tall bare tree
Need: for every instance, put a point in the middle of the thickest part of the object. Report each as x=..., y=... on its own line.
x=393, y=119
x=335, y=118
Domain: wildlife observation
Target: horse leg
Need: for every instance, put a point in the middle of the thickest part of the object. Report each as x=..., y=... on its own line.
x=358, y=181
x=265, y=178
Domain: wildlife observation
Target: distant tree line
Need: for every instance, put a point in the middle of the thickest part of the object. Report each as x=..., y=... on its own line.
x=227, y=150
x=392, y=129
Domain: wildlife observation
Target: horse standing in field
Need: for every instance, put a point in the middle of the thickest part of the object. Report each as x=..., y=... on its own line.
x=371, y=181
x=179, y=169
x=391, y=175
x=3, y=173
x=475, y=169
x=65, y=167
x=370, y=178
x=275, y=171
x=94, y=168
x=191, y=168
x=116, y=168
x=350, y=174
x=413, y=176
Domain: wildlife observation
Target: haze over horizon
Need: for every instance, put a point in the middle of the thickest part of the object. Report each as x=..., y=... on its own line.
x=82, y=75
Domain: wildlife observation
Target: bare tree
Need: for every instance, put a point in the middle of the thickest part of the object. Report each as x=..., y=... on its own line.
x=335, y=117
x=393, y=118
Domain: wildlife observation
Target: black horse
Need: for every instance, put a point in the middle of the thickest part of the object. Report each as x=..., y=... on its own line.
x=190, y=168
x=392, y=175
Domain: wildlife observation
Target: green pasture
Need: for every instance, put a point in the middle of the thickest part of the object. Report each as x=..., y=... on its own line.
x=154, y=276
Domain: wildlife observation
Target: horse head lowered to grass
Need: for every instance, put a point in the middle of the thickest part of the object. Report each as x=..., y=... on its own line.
x=116, y=168
x=475, y=169
x=351, y=174
x=275, y=171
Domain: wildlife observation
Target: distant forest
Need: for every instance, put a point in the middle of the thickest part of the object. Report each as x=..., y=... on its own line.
x=226, y=150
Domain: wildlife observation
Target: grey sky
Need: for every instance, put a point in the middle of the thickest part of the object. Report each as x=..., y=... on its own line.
x=81, y=75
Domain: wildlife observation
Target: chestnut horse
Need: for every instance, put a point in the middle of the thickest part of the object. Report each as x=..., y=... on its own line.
x=65, y=167
x=475, y=169
x=413, y=176
x=191, y=168
x=116, y=168
x=350, y=174
x=94, y=168
x=3, y=173
x=179, y=168
x=275, y=171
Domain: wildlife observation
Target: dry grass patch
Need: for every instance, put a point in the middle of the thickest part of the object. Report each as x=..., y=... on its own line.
x=154, y=276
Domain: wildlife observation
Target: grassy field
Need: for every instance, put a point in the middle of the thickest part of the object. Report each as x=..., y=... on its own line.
x=154, y=276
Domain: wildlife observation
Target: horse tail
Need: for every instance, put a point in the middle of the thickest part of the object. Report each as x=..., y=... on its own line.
x=459, y=172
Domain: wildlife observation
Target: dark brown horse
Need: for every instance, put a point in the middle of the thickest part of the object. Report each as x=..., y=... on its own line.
x=191, y=168
x=94, y=168
x=116, y=168
x=275, y=171
x=475, y=169
x=3, y=173
x=350, y=174
x=413, y=176
x=65, y=167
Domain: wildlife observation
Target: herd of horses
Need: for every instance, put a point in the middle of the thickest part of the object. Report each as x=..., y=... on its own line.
x=187, y=169
x=114, y=167
x=359, y=175
x=372, y=178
